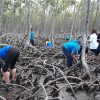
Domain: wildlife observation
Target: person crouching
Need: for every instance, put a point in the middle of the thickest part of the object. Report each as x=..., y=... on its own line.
x=9, y=54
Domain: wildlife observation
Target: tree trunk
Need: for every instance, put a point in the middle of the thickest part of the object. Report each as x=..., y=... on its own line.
x=97, y=15
x=52, y=31
x=1, y=14
x=73, y=23
x=28, y=16
x=85, y=28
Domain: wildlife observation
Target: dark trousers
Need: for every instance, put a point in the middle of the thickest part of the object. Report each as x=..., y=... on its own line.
x=93, y=50
x=97, y=50
x=67, y=53
x=32, y=42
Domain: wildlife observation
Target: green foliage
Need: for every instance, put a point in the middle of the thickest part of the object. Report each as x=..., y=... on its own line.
x=7, y=5
x=44, y=10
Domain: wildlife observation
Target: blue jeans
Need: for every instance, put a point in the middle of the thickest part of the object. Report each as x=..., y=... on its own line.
x=67, y=53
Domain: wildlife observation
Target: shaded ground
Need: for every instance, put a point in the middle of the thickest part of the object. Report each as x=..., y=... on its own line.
x=40, y=76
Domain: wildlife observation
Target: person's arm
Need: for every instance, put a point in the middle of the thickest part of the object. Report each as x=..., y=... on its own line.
x=74, y=52
x=74, y=58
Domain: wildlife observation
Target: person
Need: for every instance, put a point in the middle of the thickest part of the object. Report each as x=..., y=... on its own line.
x=68, y=38
x=49, y=43
x=70, y=49
x=98, y=48
x=31, y=37
x=93, y=41
x=8, y=57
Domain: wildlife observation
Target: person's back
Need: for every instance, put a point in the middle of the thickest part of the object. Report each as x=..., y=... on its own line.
x=49, y=44
x=72, y=46
x=3, y=51
x=32, y=35
x=70, y=49
x=93, y=40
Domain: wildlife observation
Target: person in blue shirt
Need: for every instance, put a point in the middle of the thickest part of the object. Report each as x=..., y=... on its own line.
x=49, y=43
x=67, y=38
x=8, y=58
x=70, y=49
x=31, y=37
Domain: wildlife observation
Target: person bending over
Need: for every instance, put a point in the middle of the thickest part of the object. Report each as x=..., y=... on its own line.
x=70, y=49
x=9, y=54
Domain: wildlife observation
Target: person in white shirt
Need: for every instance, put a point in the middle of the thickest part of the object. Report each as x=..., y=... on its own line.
x=93, y=41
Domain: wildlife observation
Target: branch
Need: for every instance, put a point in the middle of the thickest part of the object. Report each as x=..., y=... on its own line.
x=34, y=48
x=2, y=98
x=64, y=78
x=45, y=92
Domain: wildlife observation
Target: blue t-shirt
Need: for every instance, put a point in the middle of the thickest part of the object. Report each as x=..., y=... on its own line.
x=31, y=35
x=72, y=46
x=49, y=44
x=4, y=51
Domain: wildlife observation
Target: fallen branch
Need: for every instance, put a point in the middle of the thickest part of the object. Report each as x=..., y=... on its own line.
x=64, y=78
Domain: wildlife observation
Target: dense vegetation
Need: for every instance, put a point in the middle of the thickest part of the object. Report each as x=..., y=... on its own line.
x=48, y=16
